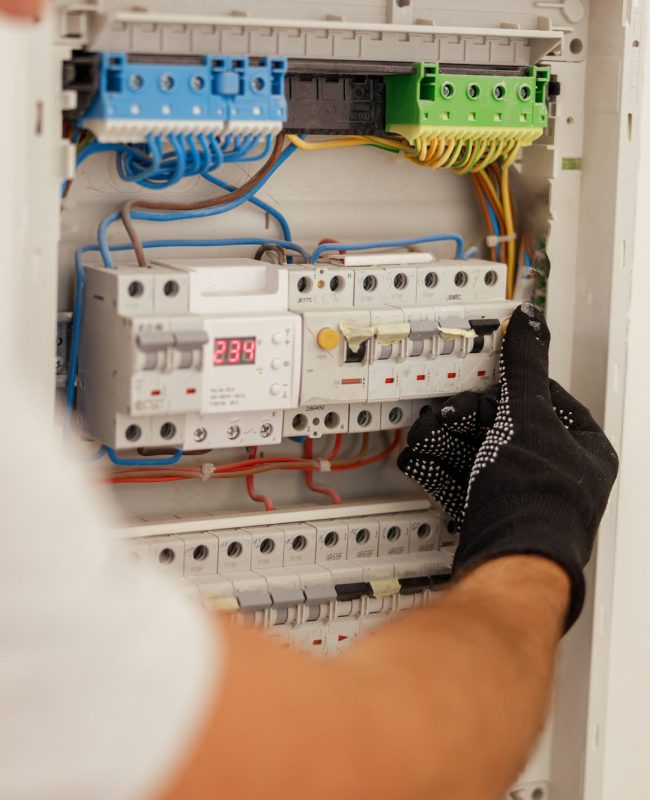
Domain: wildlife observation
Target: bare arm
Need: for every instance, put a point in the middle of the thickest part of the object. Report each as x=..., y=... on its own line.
x=445, y=702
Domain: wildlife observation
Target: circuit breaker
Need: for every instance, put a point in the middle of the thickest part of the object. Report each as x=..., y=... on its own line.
x=187, y=346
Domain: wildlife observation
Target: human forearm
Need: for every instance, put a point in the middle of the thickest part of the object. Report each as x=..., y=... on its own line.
x=445, y=701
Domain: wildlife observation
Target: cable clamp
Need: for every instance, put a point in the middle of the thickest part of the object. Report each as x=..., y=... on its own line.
x=324, y=465
x=207, y=471
x=493, y=241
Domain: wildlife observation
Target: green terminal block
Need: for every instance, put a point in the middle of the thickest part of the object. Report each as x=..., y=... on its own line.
x=430, y=105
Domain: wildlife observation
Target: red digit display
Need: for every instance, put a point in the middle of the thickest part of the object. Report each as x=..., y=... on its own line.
x=234, y=350
x=219, y=353
x=248, y=350
x=233, y=355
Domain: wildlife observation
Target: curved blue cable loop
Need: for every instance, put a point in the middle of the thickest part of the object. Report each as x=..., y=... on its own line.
x=446, y=237
x=179, y=166
x=262, y=154
x=142, y=462
x=102, y=244
x=247, y=143
x=141, y=164
x=205, y=154
x=195, y=169
x=273, y=212
x=217, y=152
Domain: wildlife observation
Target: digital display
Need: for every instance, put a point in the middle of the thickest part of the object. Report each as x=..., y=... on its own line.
x=234, y=350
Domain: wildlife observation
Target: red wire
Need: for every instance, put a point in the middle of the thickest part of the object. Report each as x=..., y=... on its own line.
x=146, y=480
x=308, y=470
x=253, y=462
x=372, y=459
x=250, y=486
x=335, y=450
x=309, y=477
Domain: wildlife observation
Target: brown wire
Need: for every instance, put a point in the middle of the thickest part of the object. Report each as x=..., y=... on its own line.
x=263, y=249
x=213, y=202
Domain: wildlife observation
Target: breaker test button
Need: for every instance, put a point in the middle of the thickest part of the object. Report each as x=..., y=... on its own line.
x=328, y=338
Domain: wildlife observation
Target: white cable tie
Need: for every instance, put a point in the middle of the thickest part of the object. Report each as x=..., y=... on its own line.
x=493, y=241
x=324, y=465
x=206, y=471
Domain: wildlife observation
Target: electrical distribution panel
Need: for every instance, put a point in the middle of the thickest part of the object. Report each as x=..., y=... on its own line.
x=247, y=409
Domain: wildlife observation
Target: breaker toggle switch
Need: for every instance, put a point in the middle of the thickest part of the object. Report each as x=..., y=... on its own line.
x=383, y=352
x=153, y=345
x=420, y=342
x=454, y=335
x=484, y=328
x=189, y=347
x=353, y=591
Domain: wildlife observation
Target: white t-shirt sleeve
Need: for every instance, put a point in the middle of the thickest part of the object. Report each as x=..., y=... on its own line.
x=106, y=670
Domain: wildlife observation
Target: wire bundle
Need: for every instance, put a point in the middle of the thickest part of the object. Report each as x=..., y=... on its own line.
x=161, y=162
x=465, y=150
x=254, y=466
x=469, y=150
x=504, y=243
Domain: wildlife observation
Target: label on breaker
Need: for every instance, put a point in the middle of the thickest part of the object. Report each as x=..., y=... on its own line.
x=251, y=363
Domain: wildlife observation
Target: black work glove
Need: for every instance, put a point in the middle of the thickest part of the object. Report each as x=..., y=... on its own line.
x=532, y=479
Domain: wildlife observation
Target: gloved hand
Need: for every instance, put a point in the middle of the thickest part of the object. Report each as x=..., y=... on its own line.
x=532, y=478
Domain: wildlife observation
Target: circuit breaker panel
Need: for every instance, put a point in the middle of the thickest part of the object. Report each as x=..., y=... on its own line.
x=284, y=238
x=287, y=358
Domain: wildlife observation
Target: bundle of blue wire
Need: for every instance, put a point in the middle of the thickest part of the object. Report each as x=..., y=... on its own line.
x=153, y=166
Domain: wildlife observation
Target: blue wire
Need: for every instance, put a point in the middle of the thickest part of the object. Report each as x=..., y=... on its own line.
x=141, y=462
x=76, y=328
x=263, y=154
x=446, y=237
x=527, y=261
x=496, y=230
x=272, y=212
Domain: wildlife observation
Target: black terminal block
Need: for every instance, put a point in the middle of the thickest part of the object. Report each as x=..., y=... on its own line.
x=81, y=73
x=353, y=591
x=335, y=104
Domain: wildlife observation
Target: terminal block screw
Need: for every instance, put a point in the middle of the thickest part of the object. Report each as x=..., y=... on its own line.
x=232, y=431
x=266, y=430
x=200, y=435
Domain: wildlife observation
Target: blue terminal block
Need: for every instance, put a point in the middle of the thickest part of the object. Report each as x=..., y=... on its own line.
x=218, y=95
